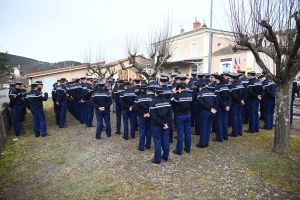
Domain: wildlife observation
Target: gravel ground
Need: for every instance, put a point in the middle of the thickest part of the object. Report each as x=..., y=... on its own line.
x=72, y=164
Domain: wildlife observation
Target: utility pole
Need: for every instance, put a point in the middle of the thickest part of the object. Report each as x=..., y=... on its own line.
x=210, y=39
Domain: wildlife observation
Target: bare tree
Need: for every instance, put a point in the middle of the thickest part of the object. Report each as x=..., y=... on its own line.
x=99, y=68
x=157, y=46
x=271, y=28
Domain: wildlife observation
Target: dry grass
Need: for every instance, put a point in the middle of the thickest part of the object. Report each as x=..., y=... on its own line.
x=72, y=164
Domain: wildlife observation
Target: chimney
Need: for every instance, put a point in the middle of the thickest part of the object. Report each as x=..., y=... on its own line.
x=196, y=24
x=181, y=30
x=204, y=25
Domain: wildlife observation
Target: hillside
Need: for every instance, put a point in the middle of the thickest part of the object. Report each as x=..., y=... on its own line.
x=28, y=65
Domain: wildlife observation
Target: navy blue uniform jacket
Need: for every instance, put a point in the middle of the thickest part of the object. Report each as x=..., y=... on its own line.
x=142, y=103
x=207, y=99
x=160, y=112
x=101, y=98
x=183, y=102
x=34, y=100
x=127, y=99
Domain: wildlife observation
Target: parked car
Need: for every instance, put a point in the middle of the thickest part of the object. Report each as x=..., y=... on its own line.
x=5, y=86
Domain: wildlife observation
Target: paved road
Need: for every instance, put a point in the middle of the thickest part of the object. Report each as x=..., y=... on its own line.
x=4, y=96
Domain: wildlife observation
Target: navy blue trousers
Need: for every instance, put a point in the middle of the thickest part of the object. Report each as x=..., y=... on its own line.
x=192, y=115
x=246, y=112
x=269, y=113
x=82, y=113
x=57, y=112
x=63, y=112
x=145, y=132
x=184, y=134
x=222, y=124
x=39, y=123
x=100, y=115
x=89, y=114
x=16, y=114
x=254, y=118
x=292, y=110
x=161, y=141
x=236, y=118
x=207, y=120
x=128, y=115
x=198, y=121
x=118, y=117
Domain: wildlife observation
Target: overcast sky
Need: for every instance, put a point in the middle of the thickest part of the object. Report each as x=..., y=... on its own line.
x=58, y=30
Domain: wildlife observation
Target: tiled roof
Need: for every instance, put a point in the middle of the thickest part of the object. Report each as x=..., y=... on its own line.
x=224, y=51
x=65, y=69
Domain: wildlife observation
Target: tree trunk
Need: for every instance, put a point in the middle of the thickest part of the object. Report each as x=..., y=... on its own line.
x=282, y=118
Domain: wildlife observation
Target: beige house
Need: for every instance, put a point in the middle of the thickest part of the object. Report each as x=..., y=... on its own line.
x=191, y=53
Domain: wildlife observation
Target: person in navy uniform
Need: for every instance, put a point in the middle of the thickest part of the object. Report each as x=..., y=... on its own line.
x=61, y=101
x=269, y=97
x=136, y=89
x=224, y=101
x=245, y=108
x=160, y=114
x=82, y=104
x=15, y=105
x=294, y=95
x=55, y=106
x=183, y=101
x=101, y=100
x=86, y=94
x=127, y=98
x=141, y=106
x=117, y=93
x=254, y=92
x=167, y=95
x=198, y=121
x=237, y=100
x=208, y=103
x=34, y=102
x=24, y=92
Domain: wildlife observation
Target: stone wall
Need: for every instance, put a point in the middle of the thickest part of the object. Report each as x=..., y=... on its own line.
x=5, y=124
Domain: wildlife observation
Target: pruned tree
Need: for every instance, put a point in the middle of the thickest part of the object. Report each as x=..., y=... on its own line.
x=157, y=47
x=271, y=28
x=99, y=68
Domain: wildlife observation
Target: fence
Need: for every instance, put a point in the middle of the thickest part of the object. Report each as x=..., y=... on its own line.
x=5, y=123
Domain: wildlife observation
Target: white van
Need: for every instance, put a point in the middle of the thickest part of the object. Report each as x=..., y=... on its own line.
x=5, y=86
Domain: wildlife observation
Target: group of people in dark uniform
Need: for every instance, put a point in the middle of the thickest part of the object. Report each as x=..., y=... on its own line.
x=20, y=99
x=209, y=102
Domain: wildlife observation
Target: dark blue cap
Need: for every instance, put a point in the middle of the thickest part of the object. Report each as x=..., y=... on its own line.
x=159, y=89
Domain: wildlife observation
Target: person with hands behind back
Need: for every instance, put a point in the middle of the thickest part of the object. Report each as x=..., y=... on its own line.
x=208, y=108
x=160, y=114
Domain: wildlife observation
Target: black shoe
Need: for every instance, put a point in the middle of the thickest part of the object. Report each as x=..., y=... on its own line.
x=225, y=138
x=230, y=135
x=147, y=147
x=207, y=145
x=217, y=140
x=98, y=138
x=63, y=126
x=45, y=135
x=200, y=146
x=263, y=128
x=108, y=135
x=195, y=134
x=117, y=132
x=91, y=125
x=153, y=161
x=175, y=152
x=171, y=141
x=247, y=131
x=140, y=149
x=124, y=138
x=187, y=151
x=164, y=159
x=133, y=137
x=81, y=122
x=175, y=137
